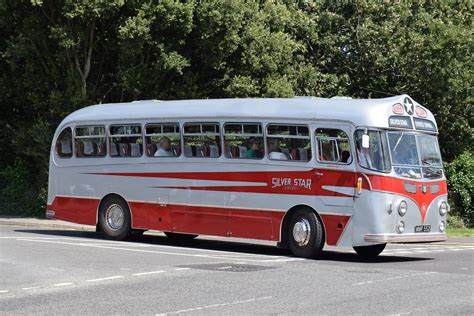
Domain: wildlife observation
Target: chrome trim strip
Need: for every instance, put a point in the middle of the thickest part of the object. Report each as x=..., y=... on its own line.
x=405, y=238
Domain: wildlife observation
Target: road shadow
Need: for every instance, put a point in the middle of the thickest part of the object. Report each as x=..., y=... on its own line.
x=223, y=245
x=337, y=256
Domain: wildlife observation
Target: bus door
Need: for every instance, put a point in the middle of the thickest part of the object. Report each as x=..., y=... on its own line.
x=335, y=176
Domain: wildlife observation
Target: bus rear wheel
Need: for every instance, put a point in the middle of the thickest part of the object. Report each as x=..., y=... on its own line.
x=114, y=218
x=179, y=236
x=305, y=234
x=369, y=252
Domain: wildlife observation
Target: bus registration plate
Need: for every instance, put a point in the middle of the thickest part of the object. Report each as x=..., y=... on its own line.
x=422, y=229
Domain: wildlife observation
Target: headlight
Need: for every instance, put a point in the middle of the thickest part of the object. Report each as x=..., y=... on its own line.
x=402, y=208
x=401, y=227
x=442, y=226
x=443, y=208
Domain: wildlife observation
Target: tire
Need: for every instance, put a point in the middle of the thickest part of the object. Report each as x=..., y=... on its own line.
x=369, y=252
x=179, y=236
x=305, y=234
x=114, y=218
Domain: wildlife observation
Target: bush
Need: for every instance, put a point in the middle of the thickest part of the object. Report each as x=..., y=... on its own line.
x=460, y=174
x=454, y=221
x=18, y=196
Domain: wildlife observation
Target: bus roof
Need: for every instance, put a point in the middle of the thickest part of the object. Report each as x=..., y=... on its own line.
x=361, y=112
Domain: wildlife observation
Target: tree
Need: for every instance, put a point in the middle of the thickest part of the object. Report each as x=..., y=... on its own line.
x=59, y=55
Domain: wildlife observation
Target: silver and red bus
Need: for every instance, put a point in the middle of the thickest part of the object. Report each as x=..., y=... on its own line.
x=304, y=172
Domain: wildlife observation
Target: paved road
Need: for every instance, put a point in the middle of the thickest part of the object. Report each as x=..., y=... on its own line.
x=60, y=271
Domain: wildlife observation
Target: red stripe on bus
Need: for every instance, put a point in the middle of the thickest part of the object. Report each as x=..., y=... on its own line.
x=206, y=220
x=259, y=189
x=276, y=182
x=296, y=182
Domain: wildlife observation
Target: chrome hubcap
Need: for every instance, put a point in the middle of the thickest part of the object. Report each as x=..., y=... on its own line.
x=301, y=232
x=114, y=217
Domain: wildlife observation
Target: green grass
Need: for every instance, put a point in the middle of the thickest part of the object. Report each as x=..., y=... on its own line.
x=461, y=232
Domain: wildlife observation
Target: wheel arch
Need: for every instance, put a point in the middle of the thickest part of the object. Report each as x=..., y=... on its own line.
x=286, y=220
x=103, y=200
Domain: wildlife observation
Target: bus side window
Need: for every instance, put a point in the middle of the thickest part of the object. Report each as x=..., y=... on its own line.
x=163, y=140
x=126, y=141
x=333, y=146
x=64, y=143
x=202, y=140
x=89, y=141
x=288, y=142
x=243, y=140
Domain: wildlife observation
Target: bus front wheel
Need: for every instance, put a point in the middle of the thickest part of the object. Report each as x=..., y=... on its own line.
x=114, y=218
x=369, y=252
x=305, y=234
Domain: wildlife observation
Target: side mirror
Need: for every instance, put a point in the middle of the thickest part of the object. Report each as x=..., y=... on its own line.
x=365, y=141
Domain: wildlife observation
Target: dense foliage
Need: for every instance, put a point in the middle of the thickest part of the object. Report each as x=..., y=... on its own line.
x=59, y=55
x=461, y=185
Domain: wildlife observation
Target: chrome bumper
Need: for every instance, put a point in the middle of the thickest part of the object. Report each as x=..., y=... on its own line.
x=405, y=238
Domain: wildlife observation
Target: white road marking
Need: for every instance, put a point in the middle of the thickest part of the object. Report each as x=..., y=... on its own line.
x=151, y=272
x=200, y=308
x=105, y=279
x=105, y=243
x=430, y=248
x=62, y=284
x=225, y=268
x=395, y=278
x=161, y=252
x=30, y=288
x=397, y=253
x=4, y=291
x=56, y=269
x=181, y=269
x=464, y=269
x=427, y=249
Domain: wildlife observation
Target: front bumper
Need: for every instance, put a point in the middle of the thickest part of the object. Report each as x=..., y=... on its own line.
x=405, y=238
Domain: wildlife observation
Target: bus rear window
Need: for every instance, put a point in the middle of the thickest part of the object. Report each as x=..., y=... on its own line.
x=64, y=143
x=89, y=141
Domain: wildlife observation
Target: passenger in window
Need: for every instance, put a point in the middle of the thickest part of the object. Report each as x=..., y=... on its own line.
x=254, y=151
x=275, y=150
x=165, y=148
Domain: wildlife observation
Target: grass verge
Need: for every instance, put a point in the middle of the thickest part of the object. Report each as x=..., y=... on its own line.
x=460, y=232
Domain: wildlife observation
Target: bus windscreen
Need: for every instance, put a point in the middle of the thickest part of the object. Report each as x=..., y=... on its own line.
x=415, y=156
